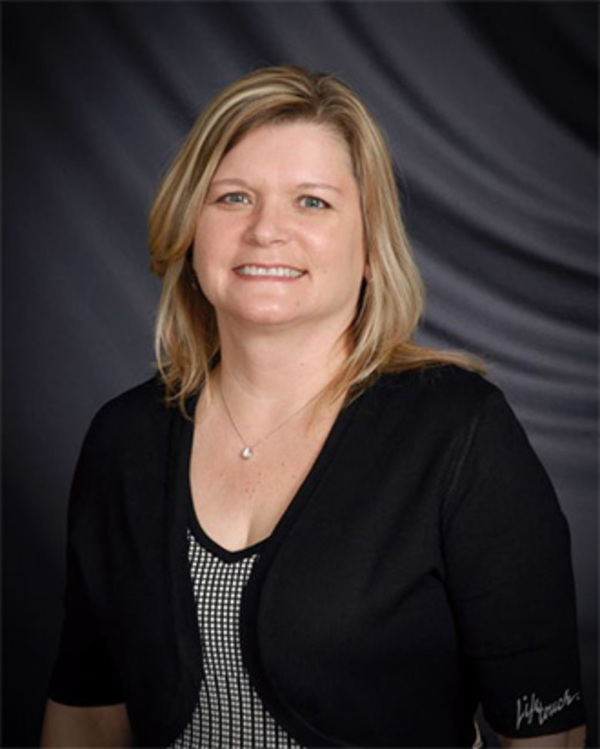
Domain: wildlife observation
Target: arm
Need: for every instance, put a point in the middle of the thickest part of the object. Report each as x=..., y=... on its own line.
x=573, y=739
x=86, y=705
x=511, y=582
x=67, y=726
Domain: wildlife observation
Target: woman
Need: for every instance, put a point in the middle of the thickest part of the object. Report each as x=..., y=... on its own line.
x=306, y=530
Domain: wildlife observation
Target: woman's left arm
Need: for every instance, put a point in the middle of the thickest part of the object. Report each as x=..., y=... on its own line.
x=509, y=577
x=573, y=739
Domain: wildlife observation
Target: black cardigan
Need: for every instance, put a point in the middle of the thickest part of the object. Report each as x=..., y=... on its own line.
x=423, y=567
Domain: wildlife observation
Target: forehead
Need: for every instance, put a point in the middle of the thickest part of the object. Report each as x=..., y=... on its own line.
x=296, y=145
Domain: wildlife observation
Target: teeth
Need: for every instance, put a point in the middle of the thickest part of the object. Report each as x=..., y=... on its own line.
x=260, y=270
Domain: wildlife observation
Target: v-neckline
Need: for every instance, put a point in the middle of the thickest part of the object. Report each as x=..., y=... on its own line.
x=184, y=489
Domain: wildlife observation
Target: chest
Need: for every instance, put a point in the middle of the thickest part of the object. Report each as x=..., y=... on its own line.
x=239, y=502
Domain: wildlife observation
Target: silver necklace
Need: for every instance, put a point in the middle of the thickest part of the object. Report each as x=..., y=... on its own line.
x=247, y=450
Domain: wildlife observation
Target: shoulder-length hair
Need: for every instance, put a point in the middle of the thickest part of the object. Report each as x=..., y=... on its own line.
x=390, y=304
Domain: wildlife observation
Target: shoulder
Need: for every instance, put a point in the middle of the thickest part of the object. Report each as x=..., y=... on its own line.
x=147, y=395
x=446, y=391
x=435, y=413
x=134, y=415
x=129, y=436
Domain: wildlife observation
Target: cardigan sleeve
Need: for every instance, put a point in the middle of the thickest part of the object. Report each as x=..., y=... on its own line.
x=84, y=673
x=507, y=555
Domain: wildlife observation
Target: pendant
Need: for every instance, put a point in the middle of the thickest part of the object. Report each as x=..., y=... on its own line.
x=247, y=453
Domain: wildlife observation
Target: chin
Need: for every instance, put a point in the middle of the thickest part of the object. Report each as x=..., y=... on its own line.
x=262, y=315
x=268, y=320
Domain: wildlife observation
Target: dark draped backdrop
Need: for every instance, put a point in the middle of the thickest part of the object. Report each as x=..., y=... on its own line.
x=491, y=114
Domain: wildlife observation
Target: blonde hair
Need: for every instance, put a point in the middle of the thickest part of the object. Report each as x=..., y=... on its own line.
x=390, y=304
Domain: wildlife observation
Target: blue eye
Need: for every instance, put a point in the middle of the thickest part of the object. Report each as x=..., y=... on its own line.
x=233, y=198
x=309, y=201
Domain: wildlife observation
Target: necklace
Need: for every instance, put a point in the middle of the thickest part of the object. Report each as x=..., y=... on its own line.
x=247, y=450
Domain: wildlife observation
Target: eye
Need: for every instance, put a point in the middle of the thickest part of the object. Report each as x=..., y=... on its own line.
x=309, y=201
x=234, y=198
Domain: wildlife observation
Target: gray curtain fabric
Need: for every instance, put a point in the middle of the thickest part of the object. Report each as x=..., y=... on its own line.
x=491, y=114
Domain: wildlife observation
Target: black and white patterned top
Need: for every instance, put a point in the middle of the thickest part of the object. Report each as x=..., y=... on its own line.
x=229, y=712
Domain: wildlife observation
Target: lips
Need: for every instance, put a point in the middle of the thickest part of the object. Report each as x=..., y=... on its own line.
x=269, y=271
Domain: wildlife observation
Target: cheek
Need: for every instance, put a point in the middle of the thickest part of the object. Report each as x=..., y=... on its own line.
x=332, y=244
x=214, y=238
x=207, y=243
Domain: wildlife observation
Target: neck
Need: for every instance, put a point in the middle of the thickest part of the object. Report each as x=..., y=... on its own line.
x=277, y=371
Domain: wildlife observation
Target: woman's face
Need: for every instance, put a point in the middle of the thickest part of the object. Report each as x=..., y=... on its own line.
x=279, y=239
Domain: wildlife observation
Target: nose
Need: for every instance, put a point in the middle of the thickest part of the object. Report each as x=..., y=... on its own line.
x=267, y=224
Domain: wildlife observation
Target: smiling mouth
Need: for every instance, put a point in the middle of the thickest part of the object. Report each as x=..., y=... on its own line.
x=271, y=271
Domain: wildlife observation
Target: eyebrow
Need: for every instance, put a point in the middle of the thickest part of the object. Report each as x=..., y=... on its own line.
x=321, y=185
x=226, y=181
x=300, y=186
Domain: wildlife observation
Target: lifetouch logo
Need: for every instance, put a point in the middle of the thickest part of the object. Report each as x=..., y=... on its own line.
x=531, y=708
